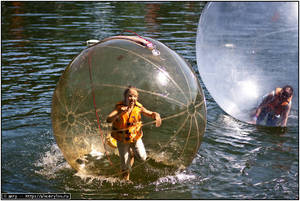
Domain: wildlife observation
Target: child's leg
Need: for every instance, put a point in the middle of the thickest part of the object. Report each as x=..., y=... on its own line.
x=139, y=150
x=131, y=157
x=125, y=158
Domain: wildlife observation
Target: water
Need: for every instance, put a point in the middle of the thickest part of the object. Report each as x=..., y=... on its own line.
x=39, y=39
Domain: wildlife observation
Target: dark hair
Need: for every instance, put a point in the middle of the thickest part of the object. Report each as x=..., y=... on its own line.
x=128, y=88
x=288, y=86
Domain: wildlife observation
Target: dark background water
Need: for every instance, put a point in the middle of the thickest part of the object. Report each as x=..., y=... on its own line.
x=39, y=39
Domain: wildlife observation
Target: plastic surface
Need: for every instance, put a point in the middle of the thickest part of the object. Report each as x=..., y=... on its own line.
x=97, y=78
x=247, y=49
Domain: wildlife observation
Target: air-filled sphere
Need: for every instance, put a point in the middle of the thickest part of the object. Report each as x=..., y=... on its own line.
x=246, y=50
x=94, y=82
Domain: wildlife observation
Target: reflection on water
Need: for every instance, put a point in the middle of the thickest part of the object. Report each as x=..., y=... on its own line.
x=235, y=160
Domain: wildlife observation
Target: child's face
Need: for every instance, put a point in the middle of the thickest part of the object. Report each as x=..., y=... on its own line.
x=131, y=97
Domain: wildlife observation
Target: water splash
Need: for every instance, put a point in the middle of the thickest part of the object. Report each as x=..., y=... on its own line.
x=179, y=177
x=51, y=162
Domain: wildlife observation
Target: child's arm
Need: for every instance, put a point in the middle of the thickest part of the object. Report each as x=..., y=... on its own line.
x=112, y=116
x=153, y=115
x=285, y=115
x=263, y=104
x=115, y=114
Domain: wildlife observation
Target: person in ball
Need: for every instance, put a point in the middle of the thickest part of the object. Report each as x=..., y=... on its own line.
x=127, y=129
x=275, y=107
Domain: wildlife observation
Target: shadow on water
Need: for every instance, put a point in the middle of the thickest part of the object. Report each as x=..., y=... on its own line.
x=272, y=130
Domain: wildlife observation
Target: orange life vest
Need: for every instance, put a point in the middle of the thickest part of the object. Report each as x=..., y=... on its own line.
x=276, y=105
x=128, y=127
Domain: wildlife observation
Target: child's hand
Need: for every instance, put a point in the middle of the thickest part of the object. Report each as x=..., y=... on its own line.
x=157, y=120
x=123, y=109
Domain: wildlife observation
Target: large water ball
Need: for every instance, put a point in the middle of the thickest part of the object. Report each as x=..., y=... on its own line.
x=94, y=83
x=247, y=49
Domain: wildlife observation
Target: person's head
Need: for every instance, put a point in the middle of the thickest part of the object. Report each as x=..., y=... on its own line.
x=131, y=95
x=287, y=91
